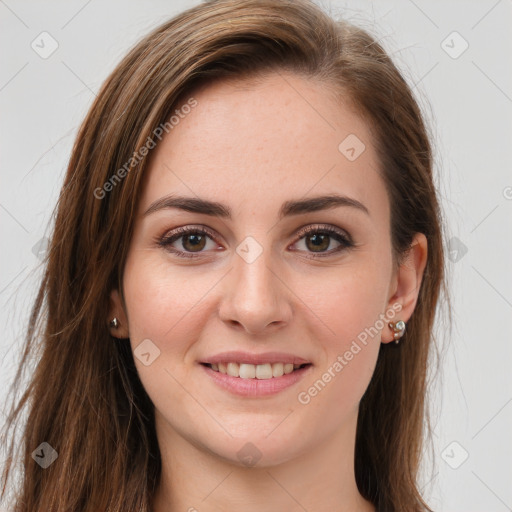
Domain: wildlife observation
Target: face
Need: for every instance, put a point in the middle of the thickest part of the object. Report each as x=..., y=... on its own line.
x=265, y=275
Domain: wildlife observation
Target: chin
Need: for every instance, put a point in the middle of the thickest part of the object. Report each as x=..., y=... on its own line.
x=259, y=449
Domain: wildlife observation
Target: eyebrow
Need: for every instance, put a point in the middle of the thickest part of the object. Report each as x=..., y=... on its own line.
x=289, y=208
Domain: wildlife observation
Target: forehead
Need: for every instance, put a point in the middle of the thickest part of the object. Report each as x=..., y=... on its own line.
x=264, y=141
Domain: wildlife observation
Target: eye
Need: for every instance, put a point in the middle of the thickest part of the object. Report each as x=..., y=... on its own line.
x=194, y=240
x=190, y=242
x=317, y=239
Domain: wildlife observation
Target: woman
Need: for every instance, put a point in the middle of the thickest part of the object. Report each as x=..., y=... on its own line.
x=241, y=284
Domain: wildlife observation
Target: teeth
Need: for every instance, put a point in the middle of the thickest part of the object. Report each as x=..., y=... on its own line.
x=252, y=371
x=247, y=371
x=264, y=371
x=277, y=369
x=233, y=370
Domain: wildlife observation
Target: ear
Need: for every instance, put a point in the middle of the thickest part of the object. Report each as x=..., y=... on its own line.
x=117, y=310
x=406, y=283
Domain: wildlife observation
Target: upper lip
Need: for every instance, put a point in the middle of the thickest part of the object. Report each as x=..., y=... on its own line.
x=248, y=358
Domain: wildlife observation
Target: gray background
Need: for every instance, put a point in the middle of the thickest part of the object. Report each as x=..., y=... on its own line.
x=467, y=98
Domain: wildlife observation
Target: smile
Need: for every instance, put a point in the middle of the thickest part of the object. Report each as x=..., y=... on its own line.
x=255, y=380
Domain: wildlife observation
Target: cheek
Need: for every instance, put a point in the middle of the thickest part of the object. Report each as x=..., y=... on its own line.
x=164, y=306
x=162, y=301
x=352, y=307
x=351, y=302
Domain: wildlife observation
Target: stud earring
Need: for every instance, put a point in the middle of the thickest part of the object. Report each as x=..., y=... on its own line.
x=114, y=323
x=398, y=329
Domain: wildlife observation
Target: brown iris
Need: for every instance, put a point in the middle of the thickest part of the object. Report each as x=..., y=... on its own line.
x=194, y=242
x=320, y=242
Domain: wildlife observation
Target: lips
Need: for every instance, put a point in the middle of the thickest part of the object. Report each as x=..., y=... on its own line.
x=254, y=375
x=254, y=383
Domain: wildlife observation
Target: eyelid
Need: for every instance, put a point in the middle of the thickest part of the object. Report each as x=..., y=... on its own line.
x=324, y=228
x=190, y=228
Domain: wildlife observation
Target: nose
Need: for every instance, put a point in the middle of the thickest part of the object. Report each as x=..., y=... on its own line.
x=255, y=299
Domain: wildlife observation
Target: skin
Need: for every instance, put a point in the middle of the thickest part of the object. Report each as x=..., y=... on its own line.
x=253, y=145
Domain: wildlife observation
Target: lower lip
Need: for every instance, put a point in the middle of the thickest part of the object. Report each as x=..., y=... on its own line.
x=256, y=387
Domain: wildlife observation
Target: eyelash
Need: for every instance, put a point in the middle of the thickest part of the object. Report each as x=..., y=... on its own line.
x=178, y=233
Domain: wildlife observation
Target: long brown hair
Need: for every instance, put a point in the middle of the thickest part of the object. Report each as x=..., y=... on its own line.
x=84, y=397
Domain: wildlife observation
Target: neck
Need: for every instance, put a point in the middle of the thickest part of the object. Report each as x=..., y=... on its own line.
x=194, y=479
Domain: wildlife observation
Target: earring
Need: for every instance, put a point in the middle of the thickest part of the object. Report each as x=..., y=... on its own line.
x=114, y=323
x=398, y=329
